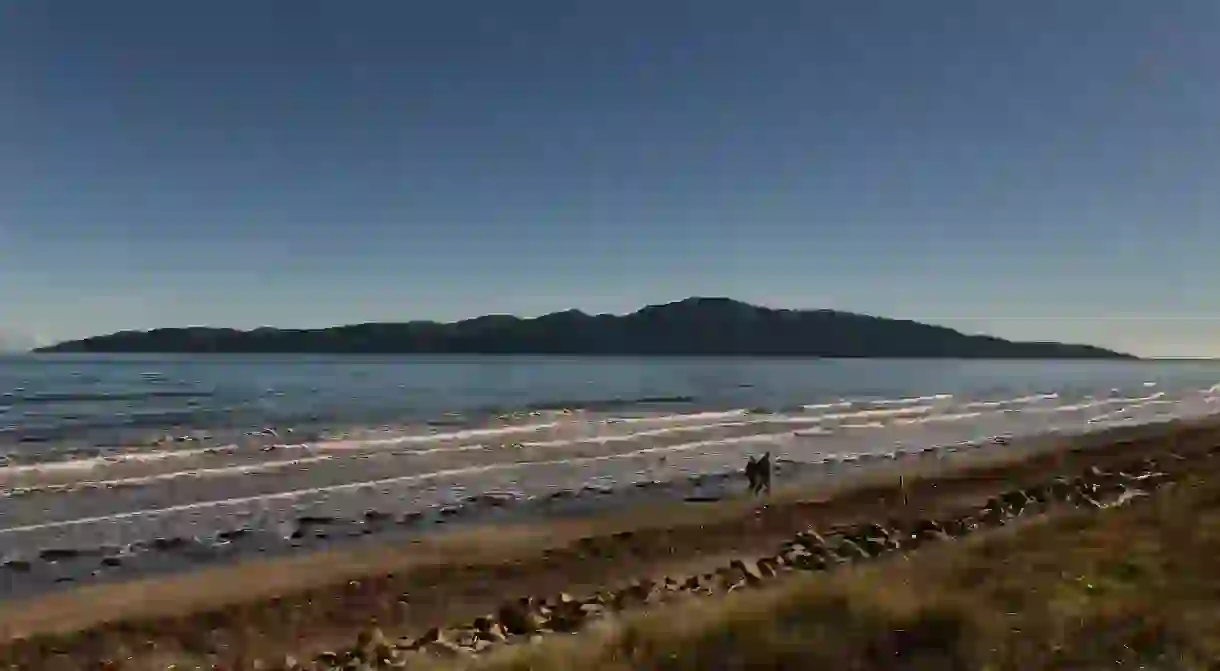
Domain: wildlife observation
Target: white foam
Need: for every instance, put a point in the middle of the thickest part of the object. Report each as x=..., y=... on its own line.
x=895, y=412
x=1020, y=400
x=225, y=471
x=912, y=400
x=828, y=406
x=941, y=418
x=915, y=424
x=603, y=439
x=523, y=428
x=1096, y=403
x=92, y=463
x=697, y=416
x=363, y=484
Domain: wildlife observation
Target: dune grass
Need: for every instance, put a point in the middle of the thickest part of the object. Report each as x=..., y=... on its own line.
x=1133, y=587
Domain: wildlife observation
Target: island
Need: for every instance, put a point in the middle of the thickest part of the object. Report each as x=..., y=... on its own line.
x=690, y=327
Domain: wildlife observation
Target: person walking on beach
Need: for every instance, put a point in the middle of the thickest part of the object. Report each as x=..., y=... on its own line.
x=758, y=474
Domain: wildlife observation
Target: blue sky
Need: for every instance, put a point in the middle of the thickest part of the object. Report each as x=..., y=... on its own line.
x=1037, y=169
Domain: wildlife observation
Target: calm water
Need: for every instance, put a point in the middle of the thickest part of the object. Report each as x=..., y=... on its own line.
x=69, y=403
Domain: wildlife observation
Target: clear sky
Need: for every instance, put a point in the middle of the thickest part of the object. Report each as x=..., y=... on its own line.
x=1039, y=169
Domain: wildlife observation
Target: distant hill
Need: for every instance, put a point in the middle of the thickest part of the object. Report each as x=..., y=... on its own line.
x=692, y=327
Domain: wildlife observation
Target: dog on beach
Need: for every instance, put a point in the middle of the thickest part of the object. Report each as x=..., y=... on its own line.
x=758, y=474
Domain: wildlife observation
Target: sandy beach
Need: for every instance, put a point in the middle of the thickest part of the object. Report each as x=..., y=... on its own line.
x=319, y=598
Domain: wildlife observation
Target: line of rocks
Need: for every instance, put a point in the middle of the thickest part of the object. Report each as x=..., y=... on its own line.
x=530, y=619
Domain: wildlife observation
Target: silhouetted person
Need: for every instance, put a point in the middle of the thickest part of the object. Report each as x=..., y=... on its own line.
x=758, y=473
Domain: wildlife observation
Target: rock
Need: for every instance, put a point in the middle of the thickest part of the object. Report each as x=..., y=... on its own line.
x=372, y=646
x=232, y=535
x=876, y=531
x=878, y=545
x=958, y=526
x=410, y=518
x=928, y=529
x=328, y=658
x=1086, y=500
x=172, y=543
x=592, y=610
x=483, y=623
x=492, y=499
x=446, y=649
x=431, y=636
x=749, y=569
x=371, y=516
x=794, y=546
x=490, y=630
x=519, y=617
x=1015, y=500
x=727, y=576
x=466, y=638
x=792, y=554
x=1060, y=490
x=992, y=514
x=805, y=560
x=768, y=567
x=1095, y=472
x=567, y=614
x=53, y=555
x=1039, y=494
x=639, y=592
x=851, y=550
x=811, y=539
x=705, y=584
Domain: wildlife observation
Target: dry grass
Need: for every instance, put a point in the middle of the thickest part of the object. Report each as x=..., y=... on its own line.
x=1137, y=587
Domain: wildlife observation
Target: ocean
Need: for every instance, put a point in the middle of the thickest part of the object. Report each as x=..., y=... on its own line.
x=163, y=462
x=53, y=406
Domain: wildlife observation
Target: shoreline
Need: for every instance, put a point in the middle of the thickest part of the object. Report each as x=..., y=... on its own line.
x=440, y=570
x=57, y=539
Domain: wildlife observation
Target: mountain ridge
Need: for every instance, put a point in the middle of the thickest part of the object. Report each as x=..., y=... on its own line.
x=696, y=326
